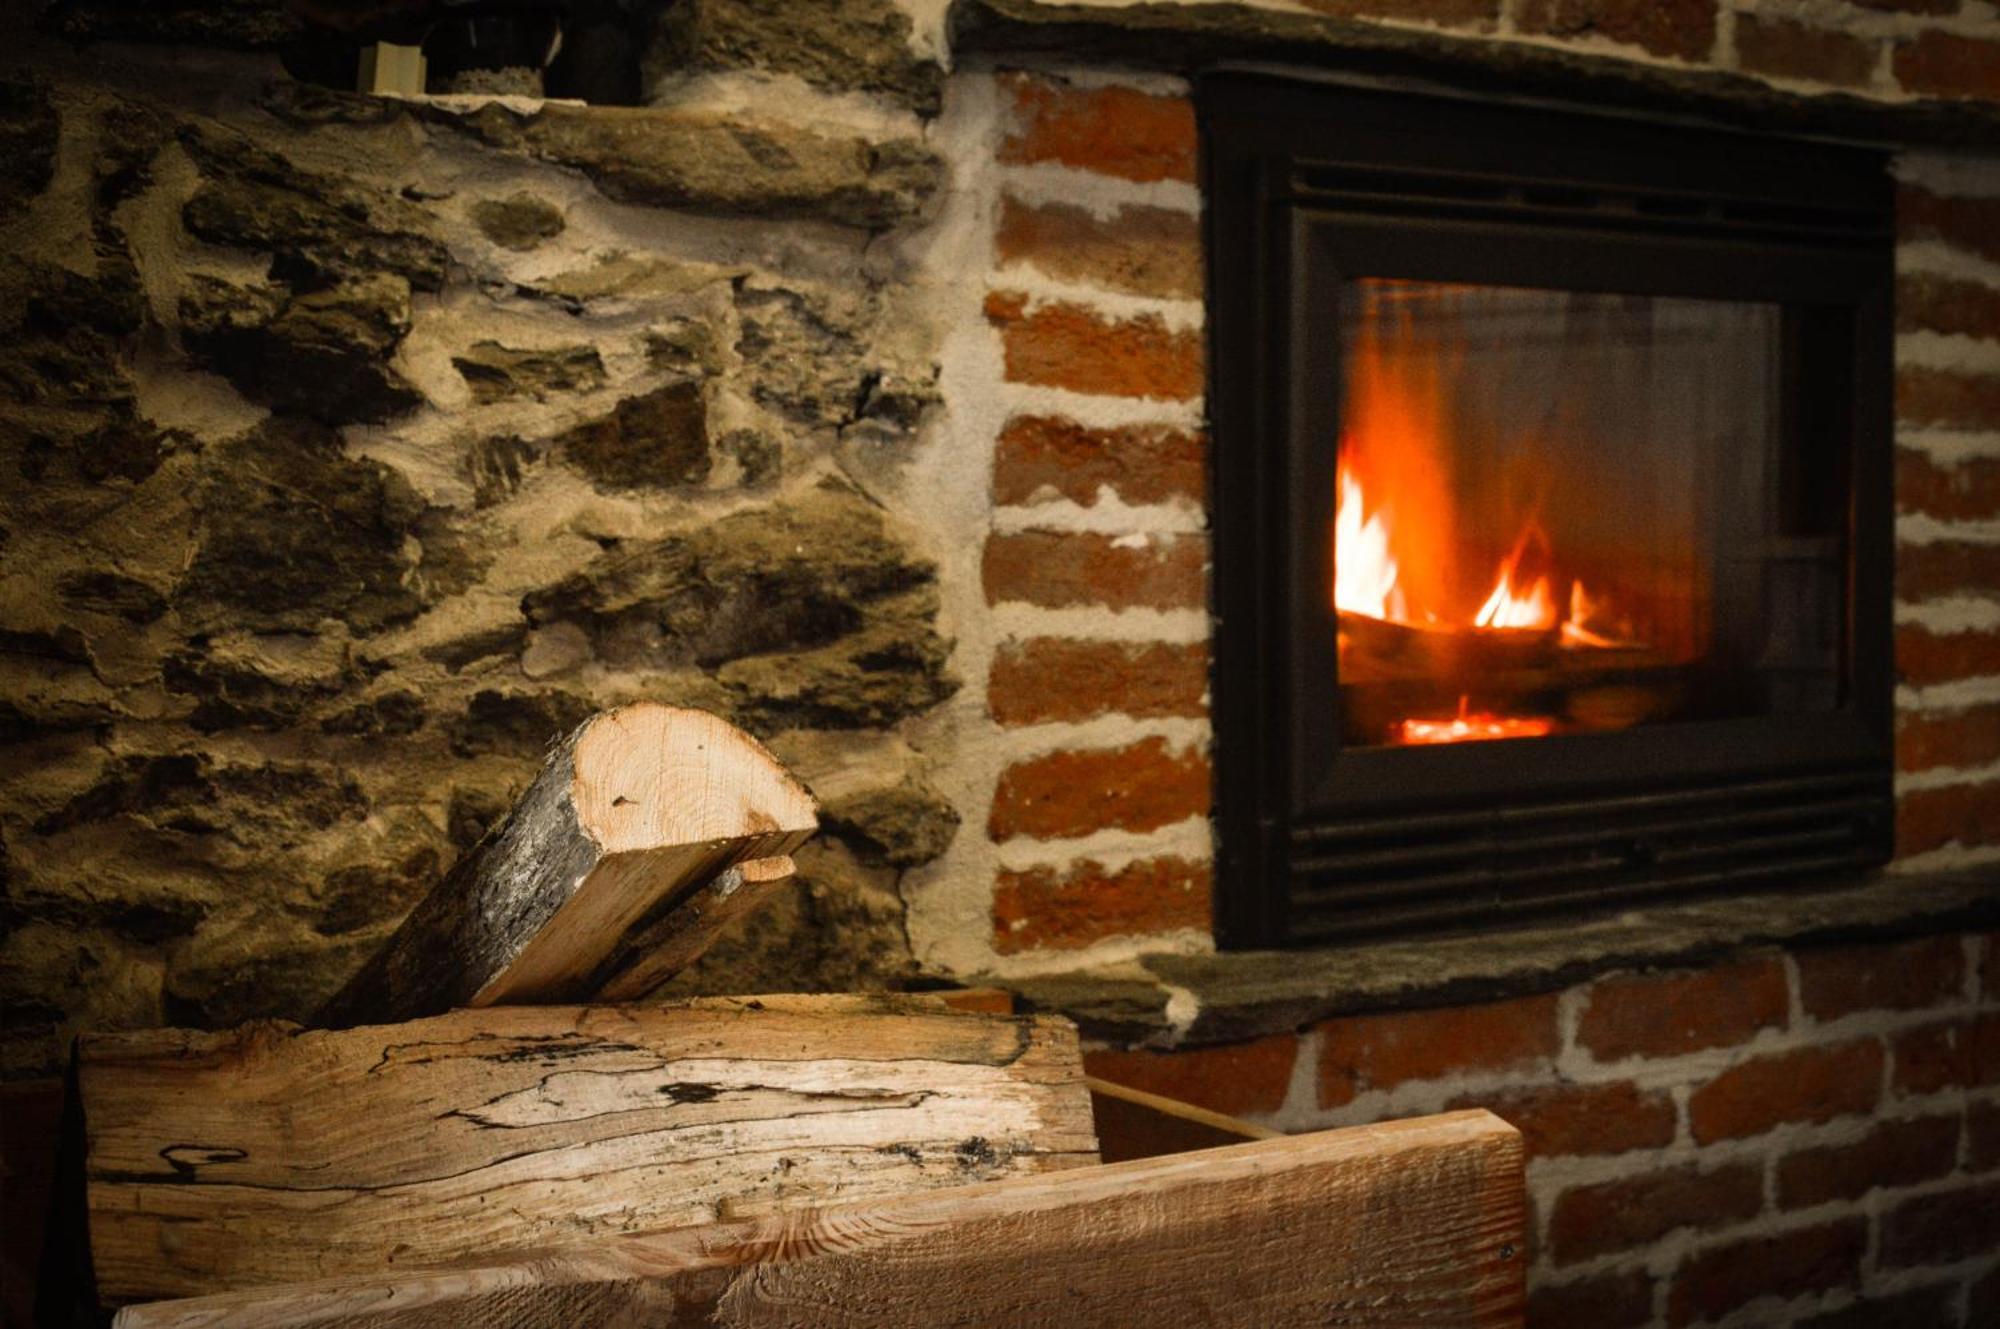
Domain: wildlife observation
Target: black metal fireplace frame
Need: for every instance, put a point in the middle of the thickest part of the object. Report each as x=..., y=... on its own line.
x=1309, y=182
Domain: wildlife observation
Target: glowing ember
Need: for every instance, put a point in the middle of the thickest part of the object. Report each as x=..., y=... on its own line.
x=1364, y=580
x=1472, y=727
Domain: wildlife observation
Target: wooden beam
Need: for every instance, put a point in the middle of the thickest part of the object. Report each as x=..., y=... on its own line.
x=1406, y=1223
x=273, y=1153
x=633, y=810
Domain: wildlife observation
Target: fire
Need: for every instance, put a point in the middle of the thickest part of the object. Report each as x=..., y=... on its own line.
x=1364, y=571
x=1509, y=607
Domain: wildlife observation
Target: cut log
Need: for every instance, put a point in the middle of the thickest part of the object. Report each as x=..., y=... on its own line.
x=274, y=1154
x=1406, y=1223
x=635, y=809
x=660, y=947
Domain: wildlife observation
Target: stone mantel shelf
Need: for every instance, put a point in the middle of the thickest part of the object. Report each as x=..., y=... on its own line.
x=1247, y=994
x=1187, y=38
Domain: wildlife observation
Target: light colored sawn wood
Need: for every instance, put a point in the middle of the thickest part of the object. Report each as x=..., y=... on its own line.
x=274, y=1154
x=635, y=809
x=1408, y=1223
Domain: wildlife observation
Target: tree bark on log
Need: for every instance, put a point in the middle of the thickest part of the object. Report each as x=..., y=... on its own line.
x=1405, y=1223
x=634, y=810
x=274, y=1154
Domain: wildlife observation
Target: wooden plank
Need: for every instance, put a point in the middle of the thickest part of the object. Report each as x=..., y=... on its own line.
x=273, y=1153
x=635, y=809
x=1416, y=1222
x=1132, y=1123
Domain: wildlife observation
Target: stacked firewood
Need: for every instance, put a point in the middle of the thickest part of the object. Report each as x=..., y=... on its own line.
x=457, y=1098
x=485, y=1128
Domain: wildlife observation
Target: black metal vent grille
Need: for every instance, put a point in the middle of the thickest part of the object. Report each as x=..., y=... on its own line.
x=1555, y=201
x=1360, y=876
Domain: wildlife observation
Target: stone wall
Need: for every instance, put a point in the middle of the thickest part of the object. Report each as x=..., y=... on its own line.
x=356, y=448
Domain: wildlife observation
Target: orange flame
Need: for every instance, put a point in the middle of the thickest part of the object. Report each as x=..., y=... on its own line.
x=1510, y=607
x=1364, y=580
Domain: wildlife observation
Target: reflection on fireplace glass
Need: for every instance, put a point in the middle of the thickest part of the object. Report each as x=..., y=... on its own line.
x=1564, y=512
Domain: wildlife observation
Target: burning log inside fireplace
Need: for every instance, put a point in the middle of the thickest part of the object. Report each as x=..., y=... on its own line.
x=637, y=812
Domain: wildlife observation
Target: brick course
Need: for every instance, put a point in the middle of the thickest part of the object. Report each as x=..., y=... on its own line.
x=1048, y=908
x=1682, y=29
x=1968, y=490
x=1656, y=1015
x=1790, y=49
x=1064, y=345
x=1039, y=454
x=1581, y=1119
x=1137, y=250
x=1637, y=1211
x=1895, y=1153
x=1383, y=1051
x=1833, y=983
x=1807, y=1084
x=1945, y=64
x=1047, y=679
x=1055, y=569
x=1113, y=130
x=1967, y=737
x=1716, y=1280
x=1140, y=787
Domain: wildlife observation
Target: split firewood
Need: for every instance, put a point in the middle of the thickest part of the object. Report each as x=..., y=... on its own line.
x=273, y=1154
x=633, y=812
x=660, y=947
x=1403, y=1223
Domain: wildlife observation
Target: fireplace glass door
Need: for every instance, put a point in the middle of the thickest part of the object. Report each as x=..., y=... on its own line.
x=1571, y=512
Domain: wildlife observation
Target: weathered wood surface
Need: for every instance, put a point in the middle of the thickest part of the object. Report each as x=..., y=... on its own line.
x=274, y=1154
x=1415, y=1222
x=635, y=809
x=1132, y=1123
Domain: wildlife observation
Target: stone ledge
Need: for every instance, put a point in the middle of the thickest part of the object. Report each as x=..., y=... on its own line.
x=1247, y=994
x=1187, y=38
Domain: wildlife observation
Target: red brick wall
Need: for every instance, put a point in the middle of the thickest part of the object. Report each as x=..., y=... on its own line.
x=1098, y=553
x=1808, y=1139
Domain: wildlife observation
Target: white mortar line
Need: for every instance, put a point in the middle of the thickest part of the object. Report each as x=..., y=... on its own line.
x=1950, y=614
x=1943, y=777
x=1937, y=258
x=1949, y=446
x=1952, y=352
x=1108, y=514
x=1922, y=529
x=1016, y=621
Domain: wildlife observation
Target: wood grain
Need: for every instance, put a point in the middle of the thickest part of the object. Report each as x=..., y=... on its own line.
x=635, y=810
x=275, y=1154
x=1408, y=1223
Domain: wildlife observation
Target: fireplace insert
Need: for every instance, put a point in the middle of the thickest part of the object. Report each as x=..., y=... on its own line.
x=1552, y=508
